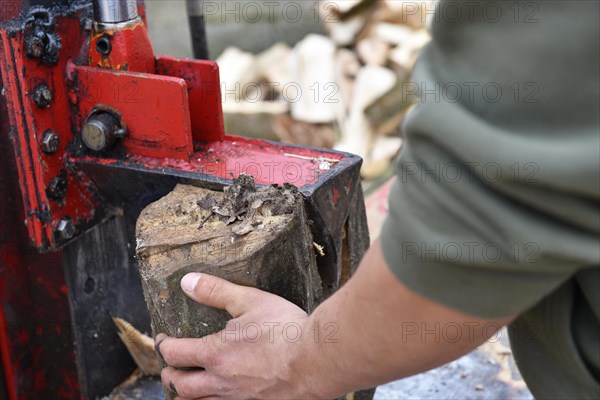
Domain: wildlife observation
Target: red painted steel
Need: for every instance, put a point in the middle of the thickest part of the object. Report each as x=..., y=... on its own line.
x=172, y=111
x=204, y=92
x=10, y=9
x=163, y=112
x=131, y=49
x=5, y=353
x=153, y=108
x=268, y=162
x=36, y=342
x=20, y=76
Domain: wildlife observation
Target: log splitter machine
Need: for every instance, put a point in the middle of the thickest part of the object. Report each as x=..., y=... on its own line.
x=94, y=127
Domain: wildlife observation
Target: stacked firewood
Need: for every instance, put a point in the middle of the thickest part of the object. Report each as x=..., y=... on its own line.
x=348, y=90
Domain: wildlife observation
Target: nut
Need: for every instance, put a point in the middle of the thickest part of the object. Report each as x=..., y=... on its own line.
x=57, y=190
x=66, y=228
x=42, y=96
x=50, y=142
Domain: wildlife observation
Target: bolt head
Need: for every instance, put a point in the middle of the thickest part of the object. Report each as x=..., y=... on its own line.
x=66, y=228
x=42, y=96
x=99, y=131
x=50, y=142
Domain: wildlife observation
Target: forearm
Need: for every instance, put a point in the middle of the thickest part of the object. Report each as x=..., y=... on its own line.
x=379, y=338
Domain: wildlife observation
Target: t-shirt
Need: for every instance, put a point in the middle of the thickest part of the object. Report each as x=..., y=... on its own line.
x=496, y=208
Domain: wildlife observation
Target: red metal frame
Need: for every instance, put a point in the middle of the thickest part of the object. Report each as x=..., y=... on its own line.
x=171, y=110
x=20, y=76
x=268, y=163
x=131, y=49
x=187, y=108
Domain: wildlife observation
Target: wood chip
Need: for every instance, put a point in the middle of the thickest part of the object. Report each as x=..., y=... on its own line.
x=140, y=346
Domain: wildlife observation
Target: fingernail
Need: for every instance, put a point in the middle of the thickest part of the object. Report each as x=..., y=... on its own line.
x=172, y=388
x=189, y=282
x=159, y=339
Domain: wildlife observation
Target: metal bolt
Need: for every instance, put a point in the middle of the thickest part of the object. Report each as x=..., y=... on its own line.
x=50, y=142
x=42, y=96
x=99, y=131
x=57, y=189
x=66, y=228
x=41, y=40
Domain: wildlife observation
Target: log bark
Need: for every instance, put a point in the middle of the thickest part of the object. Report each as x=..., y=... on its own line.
x=253, y=237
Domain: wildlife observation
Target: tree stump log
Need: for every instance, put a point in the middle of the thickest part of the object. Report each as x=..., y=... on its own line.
x=252, y=237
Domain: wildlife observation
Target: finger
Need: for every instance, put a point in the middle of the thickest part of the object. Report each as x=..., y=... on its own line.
x=202, y=398
x=182, y=353
x=188, y=384
x=219, y=293
x=208, y=398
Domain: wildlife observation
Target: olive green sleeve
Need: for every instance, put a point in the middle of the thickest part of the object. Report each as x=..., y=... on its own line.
x=497, y=199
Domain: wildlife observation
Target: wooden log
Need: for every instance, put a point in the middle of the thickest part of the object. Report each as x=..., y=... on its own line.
x=253, y=237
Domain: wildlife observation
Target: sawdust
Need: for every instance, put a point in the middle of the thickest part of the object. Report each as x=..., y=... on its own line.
x=243, y=202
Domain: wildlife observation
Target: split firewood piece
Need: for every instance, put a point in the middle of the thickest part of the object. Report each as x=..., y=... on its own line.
x=346, y=68
x=402, y=12
x=257, y=237
x=345, y=33
x=344, y=9
x=274, y=66
x=402, y=60
x=301, y=133
x=386, y=112
x=254, y=119
x=350, y=29
x=400, y=35
x=140, y=346
x=314, y=96
x=357, y=134
x=238, y=72
x=373, y=51
x=383, y=152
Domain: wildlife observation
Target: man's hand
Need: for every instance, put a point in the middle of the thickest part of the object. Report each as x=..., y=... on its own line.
x=383, y=331
x=251, y=358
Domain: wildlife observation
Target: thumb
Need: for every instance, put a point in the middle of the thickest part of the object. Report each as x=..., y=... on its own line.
x=218, y=293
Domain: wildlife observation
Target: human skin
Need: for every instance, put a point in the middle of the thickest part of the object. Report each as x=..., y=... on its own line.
x=372, y=331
